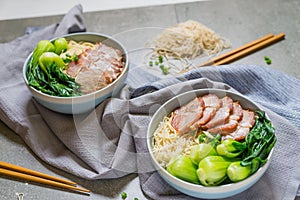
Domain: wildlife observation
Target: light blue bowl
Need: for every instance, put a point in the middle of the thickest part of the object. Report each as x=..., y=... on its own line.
x=84, y=103
x=199, y=191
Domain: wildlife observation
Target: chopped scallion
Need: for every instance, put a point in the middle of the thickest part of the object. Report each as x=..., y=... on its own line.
x=124, y=195
x=165, y=70
x=160, y=59
x=268, y=60
x=150, y=63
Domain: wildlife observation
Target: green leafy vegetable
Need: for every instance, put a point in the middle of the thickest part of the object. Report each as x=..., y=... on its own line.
x=160, y=62
x=207, y=138
x=160, y=59
x=45, y=72
x=75, y=58
x=42, y=46
x=124, y=195
x=69, y=58
x=236, y=172
x=183, y=168
x=202, y=138
x=61, y=83
x=150, y=63
x=48, y=58
x=200, y=151
x=165, y=70
x=260, y=141
x=61, y=45
x=231, y=148
x=207, y=147
x=268, y=60
x=212, y=170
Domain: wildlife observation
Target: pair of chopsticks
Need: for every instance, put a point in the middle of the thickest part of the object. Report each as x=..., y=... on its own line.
x=244, y=50
x=37, y=177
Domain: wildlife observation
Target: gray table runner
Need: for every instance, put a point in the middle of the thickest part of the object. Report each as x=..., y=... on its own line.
x=110, y=142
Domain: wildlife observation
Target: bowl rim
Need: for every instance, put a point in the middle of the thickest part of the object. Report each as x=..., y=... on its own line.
x=195, y=187
x=87, y=96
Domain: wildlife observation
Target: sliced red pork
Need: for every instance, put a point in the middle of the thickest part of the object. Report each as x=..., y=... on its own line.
x=237, y=111
x=224, y=129
x=96, y=68
x=248, y=119
x=239, y=134
x=215, y=115
x=221, y=116
x=211, y=104
x=228, y=103
x=208, y=114
x=186, y=115
x=212, y=100
x=234, y=117
x=244, y=126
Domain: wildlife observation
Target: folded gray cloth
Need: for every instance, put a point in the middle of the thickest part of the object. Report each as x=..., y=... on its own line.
x=110, y=141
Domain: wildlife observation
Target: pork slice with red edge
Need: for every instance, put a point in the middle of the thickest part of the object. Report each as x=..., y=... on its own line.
x=110, y=52
x=239, y=134
x=208, y=114
x=221, y=117
x=212, y=100
x=227, y=102
x=244, y=126
x=211, y=104
x=186, y=115
x=73, y=69
x=248, y=119
x=107, y=68
x=89, y=80
x=224, y=129
x=237, y=112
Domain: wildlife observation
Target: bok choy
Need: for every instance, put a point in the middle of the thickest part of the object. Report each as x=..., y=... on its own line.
x=260, y=141
x=236, y=172
x=45, y=70
x=212, y=170
x=183, y=168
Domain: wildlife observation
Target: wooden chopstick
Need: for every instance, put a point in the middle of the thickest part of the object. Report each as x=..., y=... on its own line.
x=34, y=173
x=244, y=50
x=218, y=58
x=40, y=180
x=33, y=176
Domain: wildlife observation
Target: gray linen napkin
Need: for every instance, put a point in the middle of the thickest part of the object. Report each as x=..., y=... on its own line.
x=110, y=141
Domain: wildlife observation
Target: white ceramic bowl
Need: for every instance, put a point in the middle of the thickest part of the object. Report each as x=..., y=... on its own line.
x=84, y=103
x=199, y=191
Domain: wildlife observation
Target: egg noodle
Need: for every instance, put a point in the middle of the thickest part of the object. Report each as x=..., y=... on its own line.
x=167, y=143
x=76, y=48
x=182, y=44
x=189, y=40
